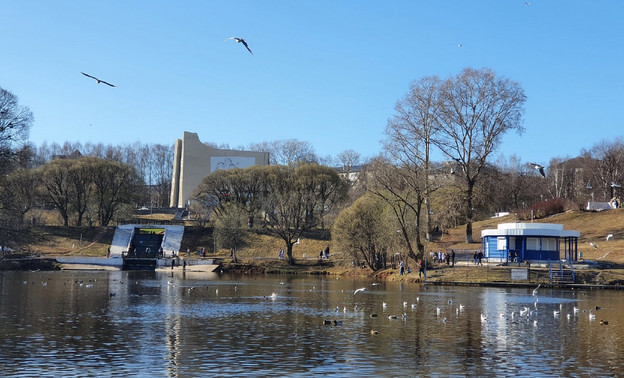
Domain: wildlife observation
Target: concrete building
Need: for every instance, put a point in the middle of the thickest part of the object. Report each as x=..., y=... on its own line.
x=194, y=160
x=529, y=241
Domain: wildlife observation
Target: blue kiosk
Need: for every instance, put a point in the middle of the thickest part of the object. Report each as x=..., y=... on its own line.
x=515, y=242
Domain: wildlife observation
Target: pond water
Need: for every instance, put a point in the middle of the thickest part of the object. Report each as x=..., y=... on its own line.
x=79, y=323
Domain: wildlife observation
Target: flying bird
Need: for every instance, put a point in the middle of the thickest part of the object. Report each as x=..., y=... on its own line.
x=240, y=40
x=614, y=185
x=609, y=237
x=459, y=45
x=539, y=168
x=535, y=291
x=358, y=290
x=98, y=80
x=593, y=245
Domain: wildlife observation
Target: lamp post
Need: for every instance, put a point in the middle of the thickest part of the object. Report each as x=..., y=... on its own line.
x=589, y=187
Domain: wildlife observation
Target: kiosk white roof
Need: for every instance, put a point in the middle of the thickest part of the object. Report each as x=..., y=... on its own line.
x=530, y=229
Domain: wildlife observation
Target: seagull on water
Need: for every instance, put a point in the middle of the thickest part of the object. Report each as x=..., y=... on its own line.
x=539, y=168
x=240, y=40
x=98, y=80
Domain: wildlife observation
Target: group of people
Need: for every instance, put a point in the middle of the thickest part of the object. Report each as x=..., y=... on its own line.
x=443, y=257
x=403, y=269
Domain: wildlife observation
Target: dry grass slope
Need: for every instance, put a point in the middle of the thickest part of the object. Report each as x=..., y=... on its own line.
x=593, y=226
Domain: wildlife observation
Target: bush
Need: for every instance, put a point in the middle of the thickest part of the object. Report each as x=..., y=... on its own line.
x=546, y=208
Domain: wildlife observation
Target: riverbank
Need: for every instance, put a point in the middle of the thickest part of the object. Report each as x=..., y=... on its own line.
x=611, y=277
x=466, y=274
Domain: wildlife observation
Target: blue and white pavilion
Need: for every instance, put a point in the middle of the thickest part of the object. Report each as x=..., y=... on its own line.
x=529, y=241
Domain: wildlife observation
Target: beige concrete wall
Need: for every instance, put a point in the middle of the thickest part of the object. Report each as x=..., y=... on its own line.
x=175, y=180
x=198, y=160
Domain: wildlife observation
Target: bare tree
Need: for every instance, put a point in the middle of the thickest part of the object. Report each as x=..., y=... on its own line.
x=15, y=122
x=478, y=108
x=287, y=152
x=55, y=178
x=411, y=131
x=115, y=185
x=401, y=188
x=18, y=194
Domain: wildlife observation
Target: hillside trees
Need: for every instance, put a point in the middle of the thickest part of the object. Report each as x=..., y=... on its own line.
x=293, y=199
x=88, y=185
x=152, y=162
x=607, y=170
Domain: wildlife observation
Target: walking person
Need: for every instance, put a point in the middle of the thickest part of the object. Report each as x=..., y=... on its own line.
x=402, y=268
x=453, y=257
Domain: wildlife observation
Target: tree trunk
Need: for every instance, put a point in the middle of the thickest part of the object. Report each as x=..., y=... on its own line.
x=469, y=193
x=289, y=250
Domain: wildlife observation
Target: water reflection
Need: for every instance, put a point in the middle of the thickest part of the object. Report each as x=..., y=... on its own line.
x=136, y=323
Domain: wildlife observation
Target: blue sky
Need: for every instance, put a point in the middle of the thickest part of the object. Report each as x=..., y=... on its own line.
x=325, y=72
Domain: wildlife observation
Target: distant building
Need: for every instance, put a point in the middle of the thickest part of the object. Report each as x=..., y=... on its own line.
x=530, y=241
x=194, y=160
x=74, y=155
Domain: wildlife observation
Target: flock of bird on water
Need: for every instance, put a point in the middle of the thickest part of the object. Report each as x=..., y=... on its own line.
x=526, y=312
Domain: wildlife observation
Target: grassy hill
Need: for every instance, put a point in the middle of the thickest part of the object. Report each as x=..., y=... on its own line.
x=593, y=226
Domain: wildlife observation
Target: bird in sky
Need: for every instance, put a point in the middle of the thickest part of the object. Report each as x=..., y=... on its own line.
x=609, y=237
x=240, y=40
x=539, y=168
x=459, y=45
x=98, y=80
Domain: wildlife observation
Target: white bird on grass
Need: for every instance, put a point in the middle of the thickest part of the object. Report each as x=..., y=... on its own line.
x=609, y=237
